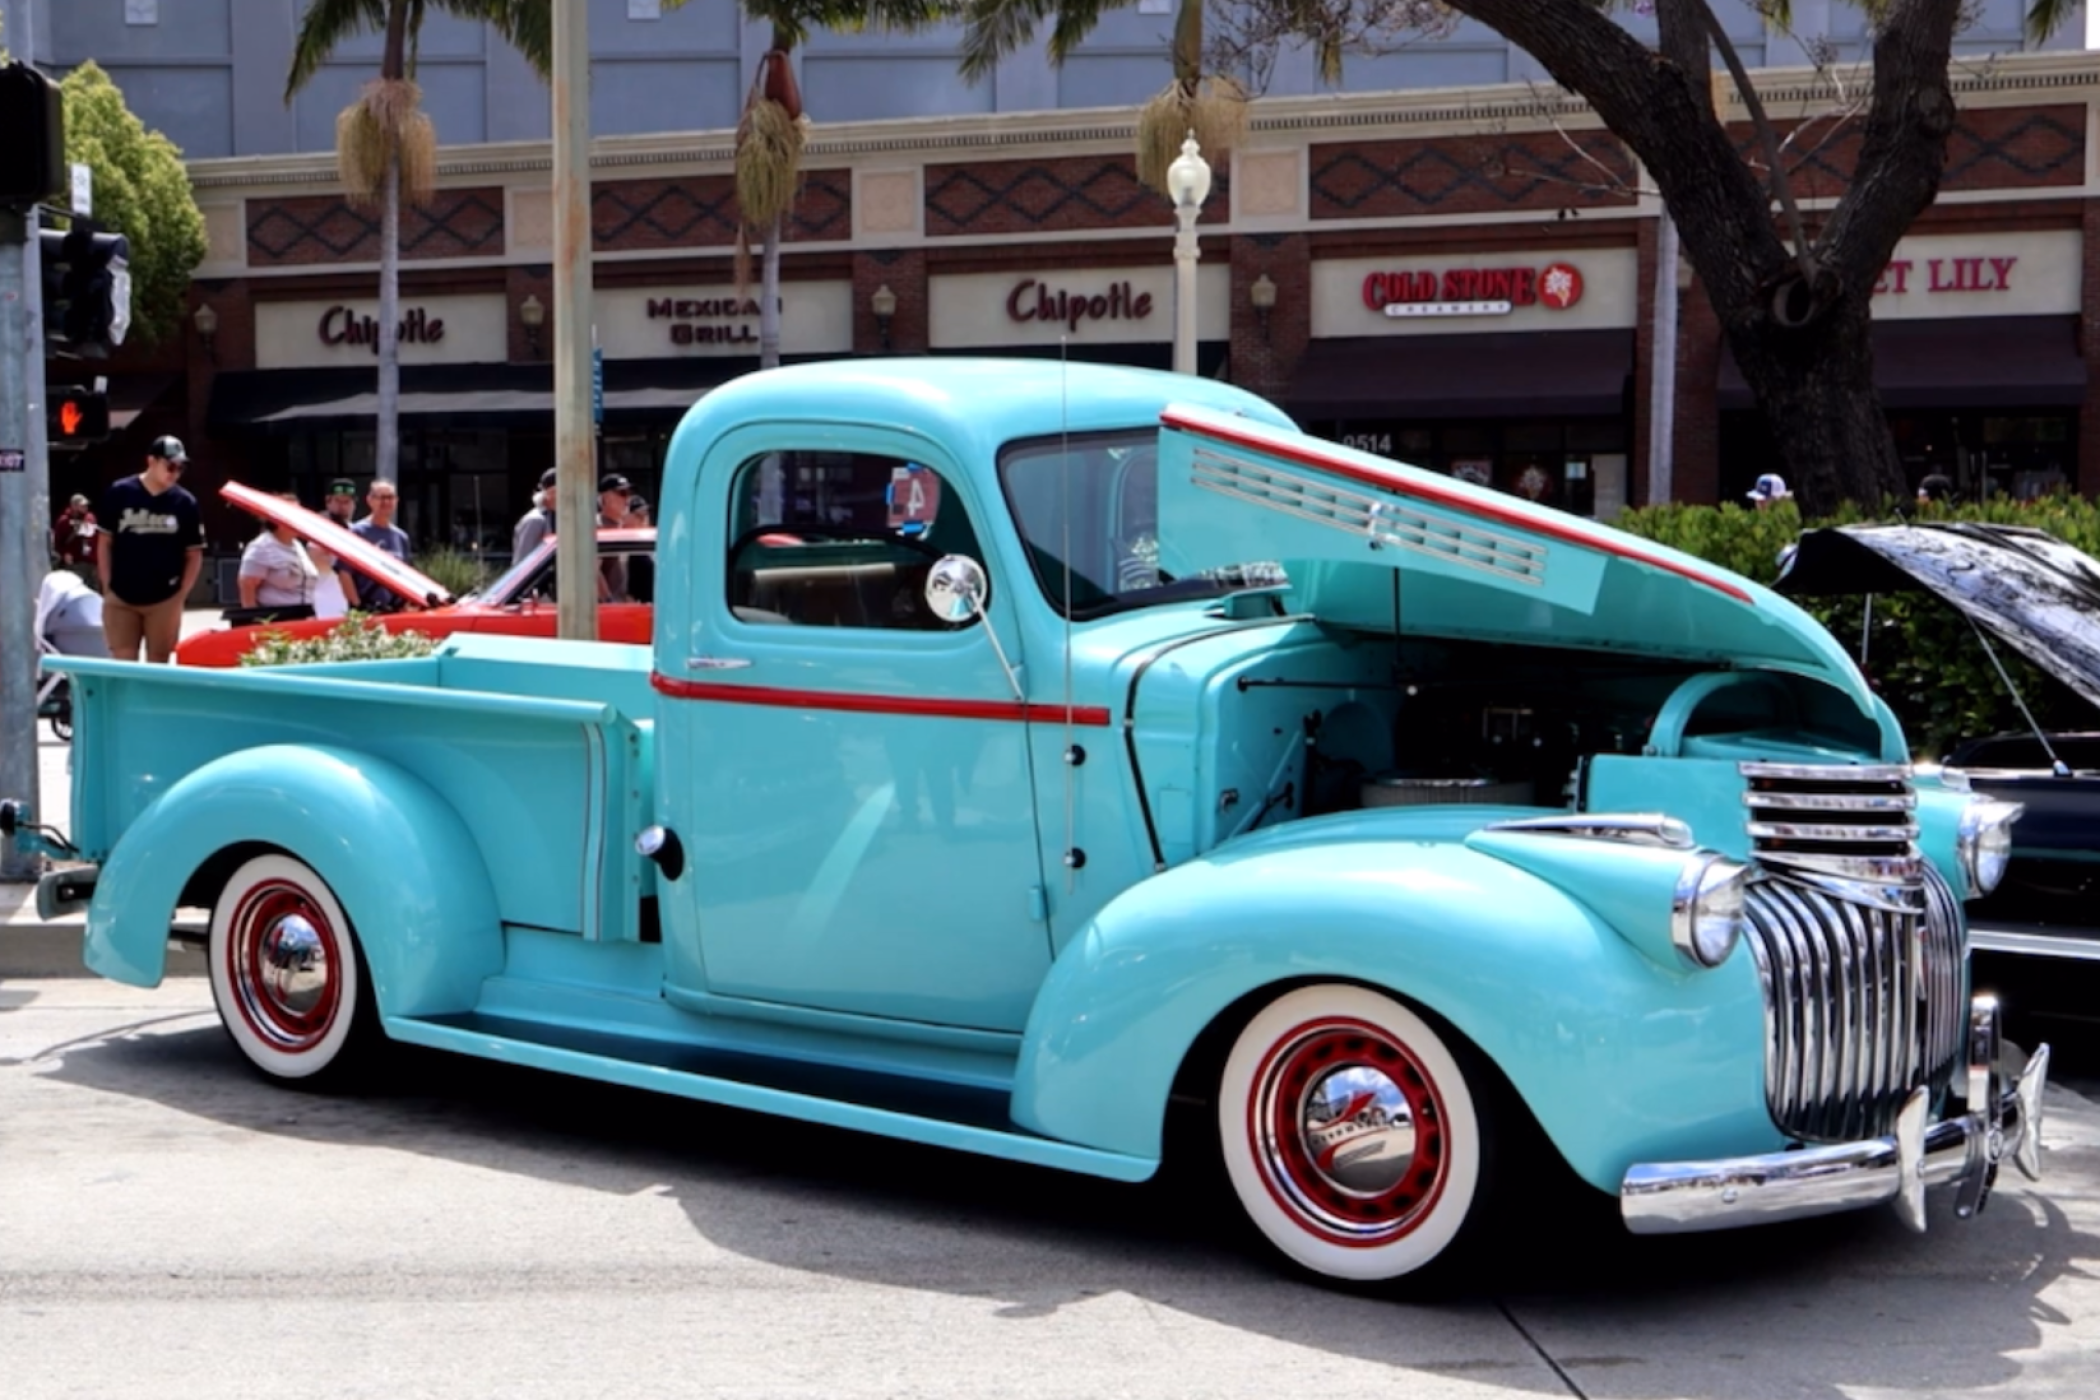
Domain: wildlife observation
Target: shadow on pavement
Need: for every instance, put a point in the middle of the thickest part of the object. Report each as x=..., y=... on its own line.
x=1821, y=1308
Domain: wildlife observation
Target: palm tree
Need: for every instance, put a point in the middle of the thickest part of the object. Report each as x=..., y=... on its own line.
x=772, y=129
x=385, y=144
x=1213, y=106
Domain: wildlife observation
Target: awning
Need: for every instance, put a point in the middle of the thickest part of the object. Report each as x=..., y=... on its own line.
x=1532, y=374
x=470, y=396
x=1977, y=362
x=1137, y=354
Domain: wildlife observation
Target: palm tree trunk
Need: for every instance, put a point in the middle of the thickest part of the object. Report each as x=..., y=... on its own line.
x=769, y=297
x=387, y=453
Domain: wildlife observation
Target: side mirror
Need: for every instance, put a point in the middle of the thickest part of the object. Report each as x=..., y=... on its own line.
x=955, y=589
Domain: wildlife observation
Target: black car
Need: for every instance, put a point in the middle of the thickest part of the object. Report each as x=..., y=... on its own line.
x=2039, y=598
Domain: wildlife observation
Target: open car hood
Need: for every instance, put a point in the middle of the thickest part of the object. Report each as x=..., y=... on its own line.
x=1372, y=544
x=2025, y=587
x=369, y=560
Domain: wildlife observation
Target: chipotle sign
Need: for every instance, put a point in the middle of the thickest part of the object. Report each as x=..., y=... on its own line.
x=1071, y=307
x=1473, y=291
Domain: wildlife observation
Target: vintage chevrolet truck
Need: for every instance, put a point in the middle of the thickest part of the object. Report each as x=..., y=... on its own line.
x=1024, y=747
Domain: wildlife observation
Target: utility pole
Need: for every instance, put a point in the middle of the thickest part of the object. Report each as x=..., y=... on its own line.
x=20, y=540
x=576, y=485
x=1662, y=393
x=25, y=490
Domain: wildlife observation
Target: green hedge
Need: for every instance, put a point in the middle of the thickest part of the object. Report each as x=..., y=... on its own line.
x=1921, y=655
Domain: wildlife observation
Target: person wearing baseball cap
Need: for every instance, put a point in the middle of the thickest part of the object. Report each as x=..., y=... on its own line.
x=1770, y=487
x=148, y=554
x=538, y=520
x=341, y=501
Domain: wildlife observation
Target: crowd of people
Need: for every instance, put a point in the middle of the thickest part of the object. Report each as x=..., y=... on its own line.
x=619, y=508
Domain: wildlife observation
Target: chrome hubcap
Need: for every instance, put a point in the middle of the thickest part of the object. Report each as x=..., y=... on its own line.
x=1358, y=1130
x=285, y=966
x=1348, y=1132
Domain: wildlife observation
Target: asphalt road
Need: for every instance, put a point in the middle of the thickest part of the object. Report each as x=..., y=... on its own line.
x=172, y=1227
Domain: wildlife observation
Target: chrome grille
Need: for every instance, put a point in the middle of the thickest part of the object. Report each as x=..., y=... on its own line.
x=1851, y=821
x=1859, y=948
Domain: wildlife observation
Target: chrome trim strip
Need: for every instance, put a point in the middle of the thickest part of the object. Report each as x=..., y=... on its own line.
x=1665, y=1198
x=1800, y=831
x=1892, y=871
x=1634, y=828
x=1779, y=799
x=1829, y=772
x=2083, y=948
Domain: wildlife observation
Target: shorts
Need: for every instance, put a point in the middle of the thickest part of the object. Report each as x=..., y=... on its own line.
x=125, y=626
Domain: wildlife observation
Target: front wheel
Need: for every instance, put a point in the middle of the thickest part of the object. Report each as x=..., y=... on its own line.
x=1350, y=1133
x=285, y=973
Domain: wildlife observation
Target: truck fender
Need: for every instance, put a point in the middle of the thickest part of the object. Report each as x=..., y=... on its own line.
x=398, y=857
x=1618, y=1059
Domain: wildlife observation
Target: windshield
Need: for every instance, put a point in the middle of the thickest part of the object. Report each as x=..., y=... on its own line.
x=1087, y=507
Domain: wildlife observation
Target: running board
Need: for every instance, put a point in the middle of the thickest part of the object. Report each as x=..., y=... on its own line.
x=964, y=1118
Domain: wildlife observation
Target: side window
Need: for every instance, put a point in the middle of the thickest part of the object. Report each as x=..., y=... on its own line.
x=841, y=539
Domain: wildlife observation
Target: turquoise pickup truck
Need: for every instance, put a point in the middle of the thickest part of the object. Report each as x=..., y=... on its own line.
x=1024, y=747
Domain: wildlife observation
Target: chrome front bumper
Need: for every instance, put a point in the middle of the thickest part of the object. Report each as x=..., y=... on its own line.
x=2002, y=1118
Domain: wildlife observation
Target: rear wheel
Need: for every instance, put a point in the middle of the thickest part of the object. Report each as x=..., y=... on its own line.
x=1351, y=1134
x=286, y=975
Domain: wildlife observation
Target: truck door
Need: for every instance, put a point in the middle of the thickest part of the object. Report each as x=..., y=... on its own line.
x=850, y=772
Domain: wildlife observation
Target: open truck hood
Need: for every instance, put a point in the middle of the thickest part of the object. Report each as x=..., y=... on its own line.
x=1372, y=544
x=2025, y=587
x=369, y=560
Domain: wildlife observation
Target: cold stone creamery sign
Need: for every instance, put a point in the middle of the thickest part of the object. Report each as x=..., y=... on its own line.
x=1937, y=276
x=1523, y=289
x=1083, y=305
x=647, y=323
x=1473, y=291
x=444, y=330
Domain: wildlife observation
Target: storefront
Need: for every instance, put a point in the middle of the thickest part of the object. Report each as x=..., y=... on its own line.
x=1977, y=357
x=1510, y=370
x=475, y=425
x=1114, y=315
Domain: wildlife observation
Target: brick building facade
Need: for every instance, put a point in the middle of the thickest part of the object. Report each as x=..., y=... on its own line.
x=1463, y=278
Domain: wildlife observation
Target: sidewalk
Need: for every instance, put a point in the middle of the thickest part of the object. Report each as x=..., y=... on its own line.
x=29, y=946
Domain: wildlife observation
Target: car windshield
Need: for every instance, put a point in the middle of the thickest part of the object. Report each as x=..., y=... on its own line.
x=1087, y=508
x=509, y=586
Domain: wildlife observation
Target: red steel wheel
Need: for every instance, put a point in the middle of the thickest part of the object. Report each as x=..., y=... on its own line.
x=1349, y=1132
x=284, y=969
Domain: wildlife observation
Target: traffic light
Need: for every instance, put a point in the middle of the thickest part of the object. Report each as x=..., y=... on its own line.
x=33, y=157
x=76, y=417
x=87, y=289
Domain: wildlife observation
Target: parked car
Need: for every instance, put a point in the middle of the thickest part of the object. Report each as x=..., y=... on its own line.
x=519, y=603
x=2040, y=598
x=1027, y=747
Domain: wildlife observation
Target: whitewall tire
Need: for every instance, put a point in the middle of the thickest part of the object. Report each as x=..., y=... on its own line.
x=284, y=970
x=1350, y=1133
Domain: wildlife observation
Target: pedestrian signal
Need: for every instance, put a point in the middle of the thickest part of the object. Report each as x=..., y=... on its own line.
x=77, y=417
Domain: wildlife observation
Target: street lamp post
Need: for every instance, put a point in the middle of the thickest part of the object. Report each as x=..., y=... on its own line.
x=1188, y=183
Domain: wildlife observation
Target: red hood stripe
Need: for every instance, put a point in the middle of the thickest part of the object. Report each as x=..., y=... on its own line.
x=1255, y=440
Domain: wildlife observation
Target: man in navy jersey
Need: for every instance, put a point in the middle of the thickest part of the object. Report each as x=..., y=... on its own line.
x=147, y=554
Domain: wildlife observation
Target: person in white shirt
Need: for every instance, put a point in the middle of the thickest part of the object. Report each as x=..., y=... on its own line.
x=278, y=573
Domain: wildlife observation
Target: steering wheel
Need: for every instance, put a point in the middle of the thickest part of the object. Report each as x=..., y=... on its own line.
x=790, y=535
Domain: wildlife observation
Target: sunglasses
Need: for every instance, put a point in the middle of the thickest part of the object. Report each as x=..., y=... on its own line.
x=174, y=467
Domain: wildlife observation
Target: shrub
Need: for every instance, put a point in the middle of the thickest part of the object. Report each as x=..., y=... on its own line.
x=455, y=570
x=357, y=637
x=1921, y=655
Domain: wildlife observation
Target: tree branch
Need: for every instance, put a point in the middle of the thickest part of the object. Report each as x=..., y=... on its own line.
x=1903, y=146
x=1782, y=188
x=1665, y=115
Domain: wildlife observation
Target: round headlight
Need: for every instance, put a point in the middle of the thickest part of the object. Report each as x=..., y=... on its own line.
x=1985, y=842
x=1706, y=915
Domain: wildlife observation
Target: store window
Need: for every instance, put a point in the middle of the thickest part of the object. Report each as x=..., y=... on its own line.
x=1987, y=453
x=1577, y=464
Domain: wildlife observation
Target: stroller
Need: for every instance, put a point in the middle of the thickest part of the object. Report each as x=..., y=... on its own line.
x=68, y=623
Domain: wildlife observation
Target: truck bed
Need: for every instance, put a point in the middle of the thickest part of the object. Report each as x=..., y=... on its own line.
x=545, y=749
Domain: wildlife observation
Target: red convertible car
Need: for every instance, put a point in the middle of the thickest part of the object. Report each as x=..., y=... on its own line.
x=520, y=603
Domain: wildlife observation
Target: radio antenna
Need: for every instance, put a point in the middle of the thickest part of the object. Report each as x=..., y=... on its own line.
x=1073, y=856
